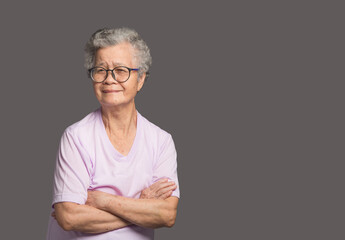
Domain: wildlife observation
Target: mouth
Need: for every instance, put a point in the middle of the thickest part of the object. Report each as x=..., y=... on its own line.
x=110, y=91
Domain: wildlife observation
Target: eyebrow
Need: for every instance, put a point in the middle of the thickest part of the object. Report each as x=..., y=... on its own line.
x=116, y=64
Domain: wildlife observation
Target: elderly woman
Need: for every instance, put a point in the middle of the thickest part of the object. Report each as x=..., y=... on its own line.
x=115, y=175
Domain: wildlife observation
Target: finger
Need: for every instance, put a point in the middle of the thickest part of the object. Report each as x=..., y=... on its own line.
x=162, y=180
x=157, y=185
x=163, y=185
x=166, y=185
x=158, y=188
x=165, y=195
x=166, y=190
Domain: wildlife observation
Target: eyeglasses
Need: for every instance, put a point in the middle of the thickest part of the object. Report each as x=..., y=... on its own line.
x=120, y=74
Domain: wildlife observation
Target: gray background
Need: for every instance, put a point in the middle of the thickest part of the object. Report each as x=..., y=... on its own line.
x=252, y=92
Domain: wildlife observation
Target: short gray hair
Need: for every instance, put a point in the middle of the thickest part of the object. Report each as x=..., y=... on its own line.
x=106, y=37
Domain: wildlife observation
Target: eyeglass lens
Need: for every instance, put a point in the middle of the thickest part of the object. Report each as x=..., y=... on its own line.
x=99, y=74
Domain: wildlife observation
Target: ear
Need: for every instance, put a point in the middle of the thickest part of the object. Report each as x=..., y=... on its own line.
x=141, y=81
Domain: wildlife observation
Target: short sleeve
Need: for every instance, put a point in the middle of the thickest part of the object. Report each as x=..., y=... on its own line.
x=166, y=164
x=71, y=177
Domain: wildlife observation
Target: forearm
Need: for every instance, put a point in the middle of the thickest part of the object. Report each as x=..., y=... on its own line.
x=87, y=219
x=150, y=213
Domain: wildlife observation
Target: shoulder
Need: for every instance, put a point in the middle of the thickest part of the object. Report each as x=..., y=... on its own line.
x=152, y=130
x=155, y=137
x=85, y=125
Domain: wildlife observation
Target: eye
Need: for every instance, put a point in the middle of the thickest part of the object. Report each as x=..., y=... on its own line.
x=121, y=70
x=99, y=70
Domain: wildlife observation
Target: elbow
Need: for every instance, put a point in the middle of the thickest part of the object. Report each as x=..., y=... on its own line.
x=170, y=223
x=170, y=218
x=66, y=226
x=65, y=222
x=64, y=216
x=170, y=212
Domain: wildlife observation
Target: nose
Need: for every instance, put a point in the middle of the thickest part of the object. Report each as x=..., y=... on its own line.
x=110, y=79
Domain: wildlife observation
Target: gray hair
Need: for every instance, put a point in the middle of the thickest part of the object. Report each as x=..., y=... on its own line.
x=109, y=37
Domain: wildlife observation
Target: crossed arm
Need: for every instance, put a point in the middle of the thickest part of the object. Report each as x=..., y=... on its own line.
x=104, y=212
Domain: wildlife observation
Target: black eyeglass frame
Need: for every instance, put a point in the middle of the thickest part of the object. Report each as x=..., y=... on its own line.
x=112, y=73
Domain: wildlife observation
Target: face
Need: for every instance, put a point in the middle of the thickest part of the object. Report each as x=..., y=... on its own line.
x=109, y=92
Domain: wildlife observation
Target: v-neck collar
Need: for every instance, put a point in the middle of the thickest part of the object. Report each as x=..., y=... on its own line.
x=108, y=143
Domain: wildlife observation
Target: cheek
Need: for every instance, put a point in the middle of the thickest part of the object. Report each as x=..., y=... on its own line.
x=96, y=91
x=131, y=89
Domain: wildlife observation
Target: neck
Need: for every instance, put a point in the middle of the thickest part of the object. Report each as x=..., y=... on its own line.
x=119, y=120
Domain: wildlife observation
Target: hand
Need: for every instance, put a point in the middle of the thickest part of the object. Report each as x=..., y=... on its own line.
x=161, y=189
x=97, y=199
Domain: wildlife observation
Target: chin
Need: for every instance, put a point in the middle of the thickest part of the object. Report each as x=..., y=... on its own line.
x=110, y=99
x=110, y=103
x=113, y=103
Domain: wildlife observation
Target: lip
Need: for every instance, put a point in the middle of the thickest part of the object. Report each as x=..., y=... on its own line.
x=111, y=91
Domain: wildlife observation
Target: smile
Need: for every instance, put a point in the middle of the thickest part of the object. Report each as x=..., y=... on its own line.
x=111, y=91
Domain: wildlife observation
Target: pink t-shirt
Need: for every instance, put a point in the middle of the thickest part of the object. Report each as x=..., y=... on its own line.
x=87, y=160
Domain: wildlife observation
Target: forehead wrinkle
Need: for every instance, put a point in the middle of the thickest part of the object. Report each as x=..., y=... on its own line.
x=114, y=64
x=118, y=64
x=106, y=60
